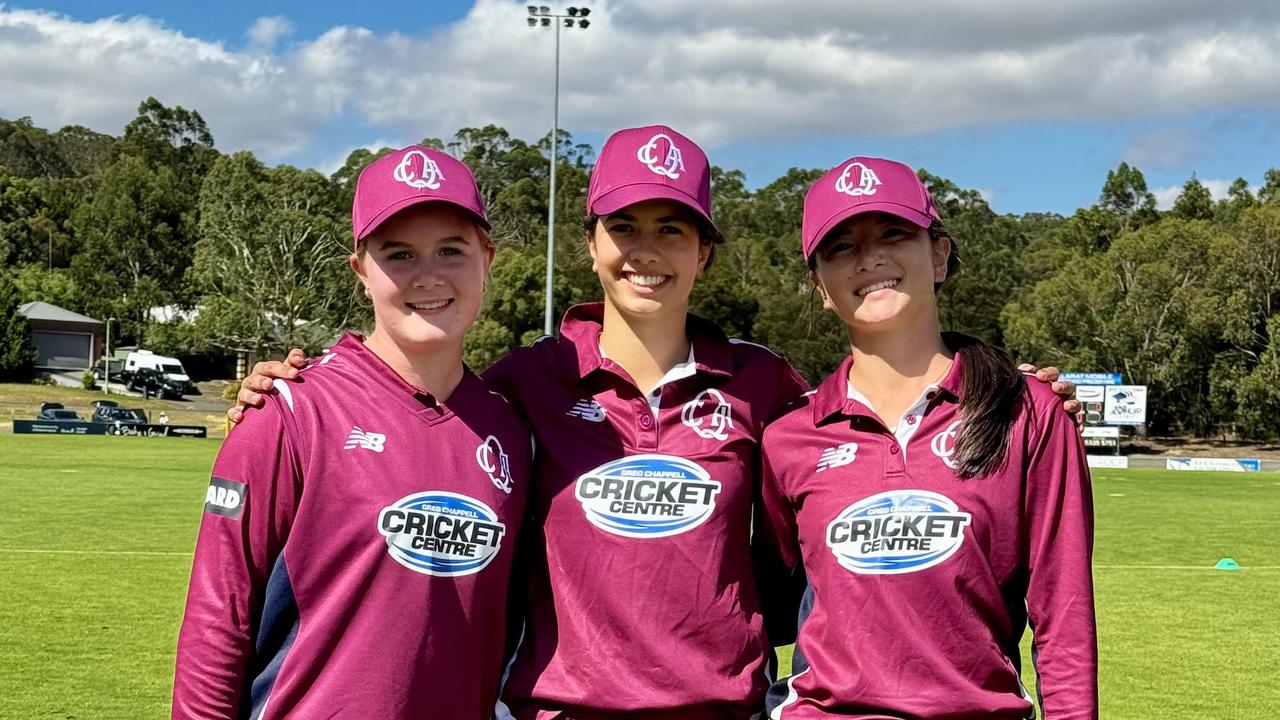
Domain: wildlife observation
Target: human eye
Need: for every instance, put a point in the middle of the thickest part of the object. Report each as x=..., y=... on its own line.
x=451, y=251
x=400, y=255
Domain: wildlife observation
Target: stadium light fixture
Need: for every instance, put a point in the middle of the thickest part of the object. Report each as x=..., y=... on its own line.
x=545, y=14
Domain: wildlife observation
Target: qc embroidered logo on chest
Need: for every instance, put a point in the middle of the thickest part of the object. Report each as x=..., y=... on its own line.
x=709, y=415
x=944, y=445
x=441, y=533
x=418, y=171
x=647, y=496
x=495, y=463
x=661, y=156
x=900, y=531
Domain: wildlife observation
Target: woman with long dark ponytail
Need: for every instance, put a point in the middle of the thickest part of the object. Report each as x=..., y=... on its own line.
x=937, y=502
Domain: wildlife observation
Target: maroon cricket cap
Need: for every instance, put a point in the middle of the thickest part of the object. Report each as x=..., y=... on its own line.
x=650, y=163
x=859, y=185
x=409, y=176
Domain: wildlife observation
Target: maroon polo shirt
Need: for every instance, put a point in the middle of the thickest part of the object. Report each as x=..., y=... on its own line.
x=641, y=602
x=355, y=551
x=922, y=583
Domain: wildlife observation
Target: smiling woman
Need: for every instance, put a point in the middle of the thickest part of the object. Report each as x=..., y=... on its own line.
x=380, y=498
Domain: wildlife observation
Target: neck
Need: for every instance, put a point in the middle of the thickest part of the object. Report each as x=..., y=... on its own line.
x=891, y=368
x=645, y=347
x=438, y=370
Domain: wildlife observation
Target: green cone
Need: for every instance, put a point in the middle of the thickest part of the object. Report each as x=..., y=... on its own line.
x=1227, y=564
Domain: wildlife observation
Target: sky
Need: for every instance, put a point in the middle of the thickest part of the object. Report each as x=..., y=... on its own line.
x=1029, y=103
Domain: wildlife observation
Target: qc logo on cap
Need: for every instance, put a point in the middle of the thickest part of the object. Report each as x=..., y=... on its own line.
x=406, y=177
x=859, y=185
x=418, y=171
x=671, y=165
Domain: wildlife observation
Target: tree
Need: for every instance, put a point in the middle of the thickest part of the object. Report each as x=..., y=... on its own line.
x=135, y=248
x=17, y=354
x=1195, y=202
x=1125, y=195
x=271, y=260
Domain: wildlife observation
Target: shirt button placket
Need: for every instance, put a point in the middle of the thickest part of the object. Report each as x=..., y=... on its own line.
x=646, y=428
x=893, y=465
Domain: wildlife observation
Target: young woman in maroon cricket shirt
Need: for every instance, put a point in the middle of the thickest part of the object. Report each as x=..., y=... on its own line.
x=935, y=501
x=642, y=601
x=356, y=549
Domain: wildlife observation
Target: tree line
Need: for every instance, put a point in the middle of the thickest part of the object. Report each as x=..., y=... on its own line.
x=248, y=258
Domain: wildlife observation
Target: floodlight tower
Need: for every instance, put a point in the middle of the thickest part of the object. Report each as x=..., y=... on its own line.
x=542, y=16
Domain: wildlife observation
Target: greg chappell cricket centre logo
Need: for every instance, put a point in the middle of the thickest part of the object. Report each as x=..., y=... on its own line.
x=899, y=531
x=441, y=533
x=647, y=496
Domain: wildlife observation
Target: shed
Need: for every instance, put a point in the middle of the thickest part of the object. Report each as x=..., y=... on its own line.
x=64, y=340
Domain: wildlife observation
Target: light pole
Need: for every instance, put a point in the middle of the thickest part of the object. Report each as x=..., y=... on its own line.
x=106, y=362
x=542, y=16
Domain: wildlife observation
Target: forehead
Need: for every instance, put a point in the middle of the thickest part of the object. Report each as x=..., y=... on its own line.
x=658, y=208
x=424, y=223
x=870, y=221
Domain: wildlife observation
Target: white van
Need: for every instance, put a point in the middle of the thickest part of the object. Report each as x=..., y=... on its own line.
x=173, y=375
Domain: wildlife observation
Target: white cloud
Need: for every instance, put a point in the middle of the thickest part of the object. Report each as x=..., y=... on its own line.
x=1167, y=196
x=720, y=70
x=265, y=32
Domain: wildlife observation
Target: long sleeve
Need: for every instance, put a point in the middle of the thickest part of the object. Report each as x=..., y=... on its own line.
x=249, y=508
x=780, y=578
x=1060, y=592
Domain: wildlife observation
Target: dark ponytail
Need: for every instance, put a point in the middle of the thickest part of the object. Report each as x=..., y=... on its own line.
x=989, y=402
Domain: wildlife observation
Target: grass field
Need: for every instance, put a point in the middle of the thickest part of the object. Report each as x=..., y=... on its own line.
x=96, y=534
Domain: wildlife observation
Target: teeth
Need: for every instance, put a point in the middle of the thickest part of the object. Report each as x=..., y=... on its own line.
x=436, y=305
x=878, y=286
x=647, y=280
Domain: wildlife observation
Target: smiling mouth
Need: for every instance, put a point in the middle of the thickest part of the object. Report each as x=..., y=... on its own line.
x=882, y=285
x=647, y=282
x=430, y=306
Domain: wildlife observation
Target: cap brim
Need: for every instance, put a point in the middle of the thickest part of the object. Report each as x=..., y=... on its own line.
x=386, y=213
x=618, y=198
x=890, y=208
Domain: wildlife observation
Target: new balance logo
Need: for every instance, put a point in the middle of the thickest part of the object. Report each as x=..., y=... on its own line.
x=367, y=440
x=837, y=456
x=587, y=410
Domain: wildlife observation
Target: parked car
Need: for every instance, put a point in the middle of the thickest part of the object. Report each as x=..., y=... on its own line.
x=117, y=371
x=150, y=381
x=56, y=412
x=110, y=412
x=173, y=377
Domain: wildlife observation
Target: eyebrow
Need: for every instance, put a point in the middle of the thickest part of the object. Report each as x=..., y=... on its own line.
x=686, y=219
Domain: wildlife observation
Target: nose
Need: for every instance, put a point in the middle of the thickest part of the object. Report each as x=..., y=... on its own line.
x=644, y=249
x=429, y=273
x=870, y=256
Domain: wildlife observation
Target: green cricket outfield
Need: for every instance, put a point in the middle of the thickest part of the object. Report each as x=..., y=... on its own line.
x=96, y=536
